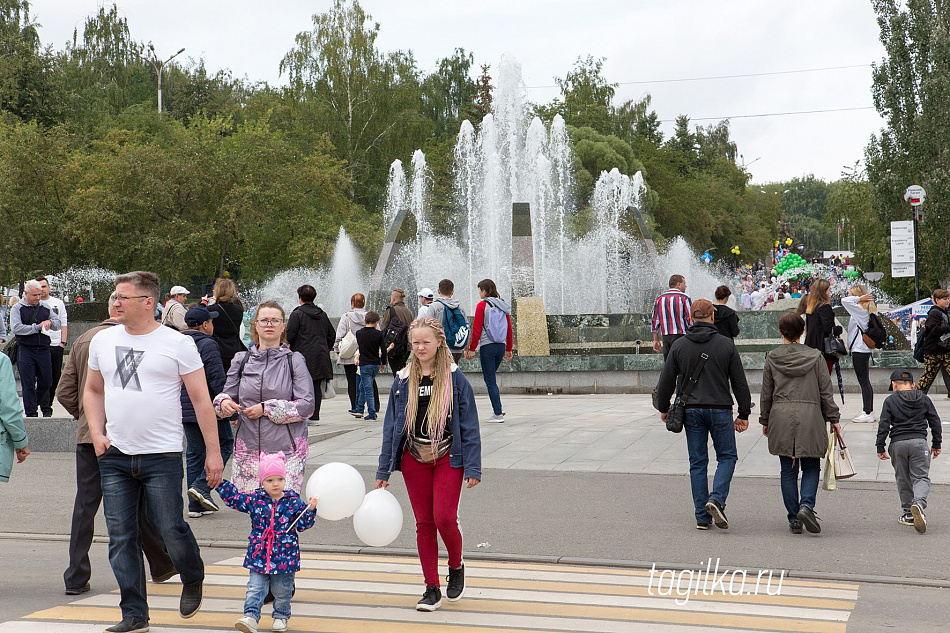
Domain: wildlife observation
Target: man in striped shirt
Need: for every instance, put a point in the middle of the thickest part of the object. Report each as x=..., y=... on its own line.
x=671, y=315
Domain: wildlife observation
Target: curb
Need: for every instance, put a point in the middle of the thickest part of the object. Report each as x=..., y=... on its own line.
x=529, y=558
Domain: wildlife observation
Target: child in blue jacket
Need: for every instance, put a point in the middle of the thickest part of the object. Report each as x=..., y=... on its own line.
x=273, y=553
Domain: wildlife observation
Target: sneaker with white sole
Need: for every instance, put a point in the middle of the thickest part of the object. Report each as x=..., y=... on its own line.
x=193, y=514
x=455, y=583
x=431, y=599
x=204, y=500
x=864, y=417
x=920, y=521
x=496, y=418
x=247, y=624
x=718, y=513
x=906, y=519
x=279, y=625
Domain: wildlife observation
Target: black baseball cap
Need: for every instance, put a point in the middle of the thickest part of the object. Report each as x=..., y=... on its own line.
x=198, y=315
x=900, y=375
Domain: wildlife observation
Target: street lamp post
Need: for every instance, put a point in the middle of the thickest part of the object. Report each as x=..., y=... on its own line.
x=159, y=66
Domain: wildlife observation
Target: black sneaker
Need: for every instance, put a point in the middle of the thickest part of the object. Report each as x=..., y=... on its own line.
x=920, y=521
x=191, y=595
x=204, y=500
x=128, y=625
x=702, y=526
x=455, y=587
x=906, y=519
x=78, y=590
x=809, y=519
x=718, y=513
x=795, y=526
x=431, y=599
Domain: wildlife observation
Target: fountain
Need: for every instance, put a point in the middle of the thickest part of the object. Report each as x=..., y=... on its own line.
x=508, y=161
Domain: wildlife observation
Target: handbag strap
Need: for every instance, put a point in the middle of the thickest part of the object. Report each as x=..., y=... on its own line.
x=838, y=438
x=694, y=379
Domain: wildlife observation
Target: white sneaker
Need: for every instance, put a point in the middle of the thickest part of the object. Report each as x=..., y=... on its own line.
x=279, y=625
x=247, y=624
x=496, y=418
x=864, y=417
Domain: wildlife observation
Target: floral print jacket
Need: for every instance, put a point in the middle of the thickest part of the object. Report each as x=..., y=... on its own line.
x=278, y=379
x=271, y=548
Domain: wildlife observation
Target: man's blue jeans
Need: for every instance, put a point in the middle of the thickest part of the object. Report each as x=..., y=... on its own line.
x=811, y=474
x=281, y=587
x=128, y=481
x=195, y=454
x=491, y=355
x=700, y=425
x=365, y=389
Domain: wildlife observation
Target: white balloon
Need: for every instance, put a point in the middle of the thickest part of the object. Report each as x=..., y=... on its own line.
x=379, y=520
x=339, y=488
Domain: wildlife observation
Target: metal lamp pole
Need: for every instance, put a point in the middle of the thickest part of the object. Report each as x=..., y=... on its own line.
x=159, y=66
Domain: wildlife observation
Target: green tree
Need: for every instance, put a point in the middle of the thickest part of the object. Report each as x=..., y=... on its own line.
x=33, y=199
x=30, y=88
x=849, y=204
x=804, y=205
x=358, y=96
x=911, y=91
x=448, y=95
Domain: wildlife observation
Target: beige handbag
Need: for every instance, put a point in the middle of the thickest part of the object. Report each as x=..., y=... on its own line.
x=828, y=482
x=844, y=467
x=348, y=344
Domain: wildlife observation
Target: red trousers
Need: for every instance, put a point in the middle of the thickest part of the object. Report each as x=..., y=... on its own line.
x=434, y=491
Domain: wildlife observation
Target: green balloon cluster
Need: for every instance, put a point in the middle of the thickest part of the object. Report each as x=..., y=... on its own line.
x=852, y=274
x=793, y=261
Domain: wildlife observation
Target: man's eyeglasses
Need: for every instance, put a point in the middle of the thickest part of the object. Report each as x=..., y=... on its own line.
x=270, y=321
x=121, y=298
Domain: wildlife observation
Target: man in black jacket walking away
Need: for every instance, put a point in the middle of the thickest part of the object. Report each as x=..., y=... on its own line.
x=310, y=332
x=708, y=408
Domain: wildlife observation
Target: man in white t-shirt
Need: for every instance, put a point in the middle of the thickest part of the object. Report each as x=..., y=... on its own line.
x=136, y=371
x=57, y=343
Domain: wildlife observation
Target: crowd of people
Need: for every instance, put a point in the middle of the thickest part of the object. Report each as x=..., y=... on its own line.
x=702, y=371
x=142, y=388
x=148, y=381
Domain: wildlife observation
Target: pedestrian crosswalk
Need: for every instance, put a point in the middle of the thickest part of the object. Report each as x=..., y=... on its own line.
x=377, y=594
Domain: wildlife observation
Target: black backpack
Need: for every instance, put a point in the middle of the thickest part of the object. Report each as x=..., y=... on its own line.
x=919, y=346
x=876, y=331
x=396, y=334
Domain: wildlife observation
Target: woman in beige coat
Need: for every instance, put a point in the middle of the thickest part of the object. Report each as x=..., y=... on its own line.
x=797, y=405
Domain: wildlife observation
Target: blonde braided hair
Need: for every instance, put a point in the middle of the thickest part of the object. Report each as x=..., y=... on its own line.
x=440, y=402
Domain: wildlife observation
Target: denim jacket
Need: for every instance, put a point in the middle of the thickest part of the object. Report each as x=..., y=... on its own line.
x=466, y=451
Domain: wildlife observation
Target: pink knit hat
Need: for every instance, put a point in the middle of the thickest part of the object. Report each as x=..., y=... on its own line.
x=272, y=466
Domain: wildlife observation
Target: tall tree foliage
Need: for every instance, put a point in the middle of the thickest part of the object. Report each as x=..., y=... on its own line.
x=350, y=90
x=30, y=88
x=911, y=91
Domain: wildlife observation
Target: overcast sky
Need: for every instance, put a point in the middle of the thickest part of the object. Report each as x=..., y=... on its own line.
x=640, y=41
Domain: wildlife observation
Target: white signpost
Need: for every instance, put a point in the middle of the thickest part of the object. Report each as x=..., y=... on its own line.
x=915, y=195
x=903, y=261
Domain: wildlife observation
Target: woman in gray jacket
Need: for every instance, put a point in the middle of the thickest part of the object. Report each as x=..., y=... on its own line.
x=270, y=387
x=797, y=405
x=352, y=321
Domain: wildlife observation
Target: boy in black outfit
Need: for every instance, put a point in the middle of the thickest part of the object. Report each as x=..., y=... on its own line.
x=371, y=360
x=905, y=417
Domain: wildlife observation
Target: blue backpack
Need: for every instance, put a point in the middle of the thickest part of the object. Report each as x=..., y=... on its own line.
x=919, y=346
x=496, y=324
x=457, y=330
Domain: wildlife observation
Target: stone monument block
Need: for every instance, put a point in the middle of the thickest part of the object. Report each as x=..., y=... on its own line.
x=531, y=327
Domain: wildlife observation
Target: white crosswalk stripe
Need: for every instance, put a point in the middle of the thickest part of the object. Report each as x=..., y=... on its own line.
x=359, y=593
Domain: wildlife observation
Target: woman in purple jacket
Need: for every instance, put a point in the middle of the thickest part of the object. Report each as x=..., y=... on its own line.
x=270, y=387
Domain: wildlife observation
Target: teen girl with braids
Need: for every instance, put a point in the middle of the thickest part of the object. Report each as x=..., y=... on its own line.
x=430, y=432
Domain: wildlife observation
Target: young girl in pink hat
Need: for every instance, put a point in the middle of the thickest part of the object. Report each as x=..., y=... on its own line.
x=273, y=552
